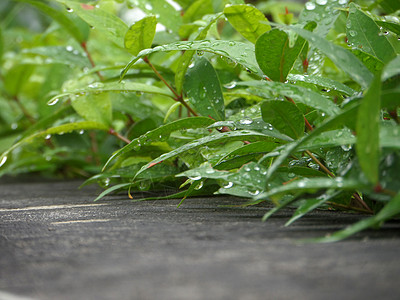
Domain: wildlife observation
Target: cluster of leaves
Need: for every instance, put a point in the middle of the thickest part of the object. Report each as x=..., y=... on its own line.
x=299, y=108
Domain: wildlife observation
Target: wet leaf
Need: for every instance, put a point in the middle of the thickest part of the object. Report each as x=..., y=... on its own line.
x=368, y=119
x=140, y=35
x=238, y=52
x=204, y=90
x=284, y=116
x=247, y=20
x=95, y=108
x=365, y=34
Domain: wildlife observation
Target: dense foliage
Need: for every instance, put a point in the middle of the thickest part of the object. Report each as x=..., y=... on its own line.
x=270, y=101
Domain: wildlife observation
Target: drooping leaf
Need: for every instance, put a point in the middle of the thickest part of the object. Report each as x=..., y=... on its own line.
x=95, y=108
x=298, y=94
x=99, y=87
x=324, y=82
x=161, y=133
x=368, y=119
x=364, y=33
x=238, y=52
x=284, y=116
x=204, y=90
x=239, y=135
x=140, y=35
x=391, y=209
x=247, y=20
x=100, y=20
x=341, y=57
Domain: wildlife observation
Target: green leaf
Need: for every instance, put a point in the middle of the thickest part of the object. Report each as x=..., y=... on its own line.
x=391, y=209
x=390, y=6
x=96, y=108
x=364, y=33
x=161, y=133
x=391, y=69
x=99, y=87
x=140, y=35
x=100, y=20
x=239, y=135
x=112, y=189
x=1, y=44
x=284, y=116
x=238, y=52
x=341, y=57
x=197, y=10
x=247, y=20
x=393, y=27
x=77, y=31
x=276, y=53
x=60, y=55
x=204, y=90
x=325, y=82
x=368, y=119
x=309, y=205
x=298, y=94
x=186, y=58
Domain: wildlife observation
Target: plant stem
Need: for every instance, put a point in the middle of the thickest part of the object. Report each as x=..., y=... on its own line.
x=308, y=125
x=89, y=56
x=24, y=110
x=322, y=166
x=349, y=207
x=177, y=97
x=122, y=138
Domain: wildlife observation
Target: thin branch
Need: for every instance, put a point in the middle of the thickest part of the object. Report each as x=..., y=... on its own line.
x=116, y=134
x=89, y=56
x=24, y=110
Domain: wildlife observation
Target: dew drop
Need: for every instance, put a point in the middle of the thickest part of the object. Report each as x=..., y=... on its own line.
x=199, y=186
x=195, y=178
x=228, y=185
x=200, y=52
x=346, y=147
x=69, y=9
x=246, y=121
x=322, y=2
x=3, y=160
x=47, y=137
x=53, y=102
x=81, y=131
x=69, y=48
x=254, y=193
x=310, y=6
x=352, y=33
x=230, y=85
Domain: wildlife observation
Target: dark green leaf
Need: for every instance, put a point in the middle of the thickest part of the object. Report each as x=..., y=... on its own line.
x=204, y=90
x=368, y=119
x=284, y=116
x=364, y=33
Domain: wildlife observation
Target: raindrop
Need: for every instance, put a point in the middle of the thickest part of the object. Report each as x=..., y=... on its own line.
x=227, y=186
x=342, y=2
x=69, y=9
x=107, y=182
x=352, y=33
x=255, y=193
x=3, y=160
x=230, y=85
x=191, y=65
x=53, y=102
x=346, y=147
x=200, y=52
x=322, y=2
x=81, y=131
x=256, y=168
x=137, y=147
x=199, y=186
x=310, y=6
x=69, y=48
x=210, y=171
x=246, y=121
x=148, y=6
x=14, y=126
x=47, y=137
x=301, y=184
x=198, y=177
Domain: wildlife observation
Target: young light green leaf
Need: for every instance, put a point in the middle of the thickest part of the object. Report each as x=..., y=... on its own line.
x=364, y=33
x=99, y=87
x=343, y=58
x=204, y=90
x=103, y=21
x=284, y=116
x=391, y=209
x=92, y=107
x=368, y=119
x=247, y=20
x=140, y=35
x=161, y=133
x=298, y=94
x=238, y=52
x=78, y=32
